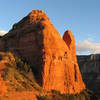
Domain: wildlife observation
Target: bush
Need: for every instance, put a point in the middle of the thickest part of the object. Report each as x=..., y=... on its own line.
x=44, y=98
x=24, y=67
x=19, y=89
x=56, y=95
x=55, y=92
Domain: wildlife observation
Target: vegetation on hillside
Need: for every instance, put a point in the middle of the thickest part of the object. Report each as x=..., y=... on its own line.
x=16, y=73
x=56, y=95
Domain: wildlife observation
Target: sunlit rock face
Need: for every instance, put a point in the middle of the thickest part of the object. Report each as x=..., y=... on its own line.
x=53, y=59
x=70, y=42
x=3, y=89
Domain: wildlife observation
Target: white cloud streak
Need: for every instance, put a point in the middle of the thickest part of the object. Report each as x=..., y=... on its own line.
x=87, y=47
x=2, y=32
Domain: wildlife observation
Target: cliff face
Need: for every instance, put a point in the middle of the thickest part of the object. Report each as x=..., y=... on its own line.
x=53, y=60
x=90, y=68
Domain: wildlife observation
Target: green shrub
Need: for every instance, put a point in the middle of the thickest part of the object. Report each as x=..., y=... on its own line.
x=44, y=98
x=56, y=95
x=55, y=92
x=82, y=97
x=18, y=76
x=24, y=67
x=19, y=89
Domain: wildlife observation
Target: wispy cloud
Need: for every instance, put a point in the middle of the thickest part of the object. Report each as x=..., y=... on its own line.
x=88, y=47
x=2, y=32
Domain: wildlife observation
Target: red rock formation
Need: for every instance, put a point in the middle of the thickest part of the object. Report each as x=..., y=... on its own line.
x=3, y=89
x=70, y=41
x=38, y=42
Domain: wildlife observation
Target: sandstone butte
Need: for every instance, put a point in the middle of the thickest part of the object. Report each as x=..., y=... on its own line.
x=53, y=59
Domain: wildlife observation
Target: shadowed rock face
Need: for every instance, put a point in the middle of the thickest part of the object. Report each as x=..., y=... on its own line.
x=53, y=62
x=90, y=68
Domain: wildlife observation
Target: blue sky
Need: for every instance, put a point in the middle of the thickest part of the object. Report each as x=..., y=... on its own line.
x=82, y=17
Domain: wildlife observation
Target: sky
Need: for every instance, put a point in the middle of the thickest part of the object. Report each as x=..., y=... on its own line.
x=82, y=17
